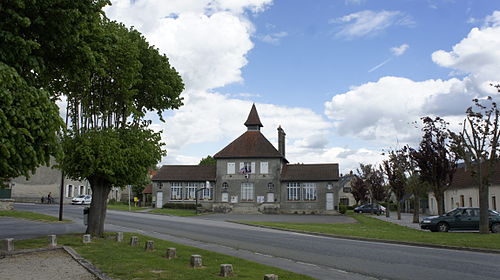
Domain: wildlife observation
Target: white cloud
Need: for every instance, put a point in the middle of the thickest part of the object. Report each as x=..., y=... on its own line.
x=382, y=111
x=370, y=23
x=398, y=51
x=273, y=38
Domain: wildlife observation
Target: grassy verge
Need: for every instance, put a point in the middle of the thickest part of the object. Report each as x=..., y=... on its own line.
x=120, y=261
x=369, y=227
x=124, y=207
x=175, y=212
x=31, y=216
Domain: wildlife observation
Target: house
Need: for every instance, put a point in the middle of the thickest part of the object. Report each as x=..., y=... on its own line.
x=251, y=175
x=464, y=192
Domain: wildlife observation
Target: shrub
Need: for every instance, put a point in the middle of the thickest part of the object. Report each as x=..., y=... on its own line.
x=342, y=209
x=171, y=205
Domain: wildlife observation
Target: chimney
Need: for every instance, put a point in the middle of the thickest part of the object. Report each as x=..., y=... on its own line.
x=281, y=141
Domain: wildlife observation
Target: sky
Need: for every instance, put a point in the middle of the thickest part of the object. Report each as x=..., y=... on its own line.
x=346, y=79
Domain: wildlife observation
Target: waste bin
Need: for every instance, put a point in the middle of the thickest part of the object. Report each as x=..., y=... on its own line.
x=86, y=215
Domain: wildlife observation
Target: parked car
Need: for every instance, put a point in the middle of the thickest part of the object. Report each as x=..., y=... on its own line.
x=462, y=218
x=370, y=208
x=82, y=199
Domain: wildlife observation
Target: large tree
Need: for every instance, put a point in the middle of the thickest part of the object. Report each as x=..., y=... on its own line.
x=209, y=160
x=394, y=169
x=434, y=158
x=40, y=43
x=109, y=143
x=477, y=144
x=359, y=189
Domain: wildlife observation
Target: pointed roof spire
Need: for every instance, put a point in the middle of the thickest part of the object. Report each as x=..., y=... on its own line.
x=253, y=118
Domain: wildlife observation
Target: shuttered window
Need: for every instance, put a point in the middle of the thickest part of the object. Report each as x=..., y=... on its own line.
x=231, y=168
x=264, y=167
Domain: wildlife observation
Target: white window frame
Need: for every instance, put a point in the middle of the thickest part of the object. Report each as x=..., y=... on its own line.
x=309, y=192
x=231, y=168
x=69, y=190
x=247, y=192
x=293, y=191
x=176, y=191
x=191, y=188
x=206, y=194
x=264, y=167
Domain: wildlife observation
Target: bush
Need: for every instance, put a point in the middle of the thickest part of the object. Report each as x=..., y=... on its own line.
x=171, y=205
x=342, y=209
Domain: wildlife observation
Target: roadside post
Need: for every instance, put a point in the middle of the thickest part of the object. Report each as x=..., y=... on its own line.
x=86, y=215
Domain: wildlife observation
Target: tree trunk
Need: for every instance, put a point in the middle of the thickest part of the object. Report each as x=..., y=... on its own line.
x=484, y=223
x=387, y=211
x=97, y=213
x=440, y=203
x=398, y=209
x=416, y=209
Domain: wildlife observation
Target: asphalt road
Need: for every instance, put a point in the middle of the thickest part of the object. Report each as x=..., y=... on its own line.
x=320, y=257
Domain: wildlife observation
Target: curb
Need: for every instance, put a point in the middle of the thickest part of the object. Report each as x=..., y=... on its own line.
x=415, y=244
x=86, y=264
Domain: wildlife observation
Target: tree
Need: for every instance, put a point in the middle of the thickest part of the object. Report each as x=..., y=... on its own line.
x=478, y=144
x=109, y=142
x=434, y=158
x=359, y=189
x=394, y=169
x=39, y=44
x=209, y=160
x=374, y=181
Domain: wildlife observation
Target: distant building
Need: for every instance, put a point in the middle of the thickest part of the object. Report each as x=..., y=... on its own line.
x=251, y=175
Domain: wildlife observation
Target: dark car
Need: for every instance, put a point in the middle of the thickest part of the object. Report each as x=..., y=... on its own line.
x=463, y=218
x=370, y=208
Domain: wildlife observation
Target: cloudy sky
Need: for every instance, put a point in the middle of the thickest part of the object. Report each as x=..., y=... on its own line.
x=344, y=78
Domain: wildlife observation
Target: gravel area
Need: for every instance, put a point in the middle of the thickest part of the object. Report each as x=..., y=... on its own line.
x=48, y=265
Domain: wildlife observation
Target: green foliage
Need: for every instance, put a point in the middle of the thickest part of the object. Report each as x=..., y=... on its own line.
x=171, y=205
x=342, y=209
x=31, y=216
x=119, y=156
x=209, y=160
x=29, y=122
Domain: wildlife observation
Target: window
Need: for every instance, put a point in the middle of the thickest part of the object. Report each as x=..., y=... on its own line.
x=191, y=190
x=346, y=189
x=270, y=187
x=82, y=190
x=462, y=201
x=69, y=191
x=264, y=167
x=176, y=191
x=470, y=201
x=494, y=202
x=231, y=168
x=246, y=167
x=206, y=194
x=344, y=201
x=247, y=192
x=293, y=191
x=225, y=187
x=452, y=203
x=309, y=191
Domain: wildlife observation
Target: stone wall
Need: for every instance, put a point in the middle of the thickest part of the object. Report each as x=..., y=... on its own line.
x=6, y=204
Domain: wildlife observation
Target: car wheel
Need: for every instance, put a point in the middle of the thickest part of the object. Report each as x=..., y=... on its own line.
x=495, y=228
x=443, y=227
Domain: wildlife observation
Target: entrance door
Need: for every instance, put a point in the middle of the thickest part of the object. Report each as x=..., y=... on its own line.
x=159, y=199
x=329, y=201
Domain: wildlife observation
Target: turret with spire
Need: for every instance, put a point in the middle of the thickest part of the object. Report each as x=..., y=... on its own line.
x=253, y=121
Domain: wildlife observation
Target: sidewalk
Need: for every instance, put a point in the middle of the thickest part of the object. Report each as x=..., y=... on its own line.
x=406, y=219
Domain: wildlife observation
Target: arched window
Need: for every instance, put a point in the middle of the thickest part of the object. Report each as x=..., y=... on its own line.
x=225, y=187
x=270, y=187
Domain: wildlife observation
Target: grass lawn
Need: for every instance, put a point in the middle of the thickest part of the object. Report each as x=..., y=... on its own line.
x=369, y=227
x=120, y=261
x=124, y=207
x=175, y=212
x=31, y=216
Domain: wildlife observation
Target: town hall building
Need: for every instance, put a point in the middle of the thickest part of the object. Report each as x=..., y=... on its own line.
x=251, y=175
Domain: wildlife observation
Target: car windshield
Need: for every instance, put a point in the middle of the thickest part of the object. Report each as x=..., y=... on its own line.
x=80, y=196
x=494, y=213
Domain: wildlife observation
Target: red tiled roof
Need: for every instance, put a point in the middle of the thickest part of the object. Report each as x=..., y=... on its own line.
x=251, y=144
x=199, y=173
x=148, y=189
x=463, y=179
x=253, y=117
x=310, y=172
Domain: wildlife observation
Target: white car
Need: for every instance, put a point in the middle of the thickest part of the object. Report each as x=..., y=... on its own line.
x=82, y=199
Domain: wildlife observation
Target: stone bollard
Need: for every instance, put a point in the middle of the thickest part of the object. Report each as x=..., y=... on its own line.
x=134, y=241
x=8, y=244
x=270, y=277
x=150, y=245
x=52, y=241
x=86, y=238
x=226, y=270
x=196, y=261
x=119, y=236
x=171, y=253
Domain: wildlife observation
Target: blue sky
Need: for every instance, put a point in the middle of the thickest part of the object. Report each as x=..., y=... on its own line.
x=344, y=78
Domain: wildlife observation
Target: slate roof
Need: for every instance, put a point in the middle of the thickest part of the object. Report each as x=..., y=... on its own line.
x=251, y=144
x=463, y=179
x=198, y=173
x=253, y=117
x=310, y=172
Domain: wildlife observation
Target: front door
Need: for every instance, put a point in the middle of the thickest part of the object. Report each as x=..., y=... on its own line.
x=329, y=201
x=159, y=199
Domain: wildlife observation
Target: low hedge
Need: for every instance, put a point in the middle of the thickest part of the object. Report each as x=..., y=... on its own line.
x=171, y=205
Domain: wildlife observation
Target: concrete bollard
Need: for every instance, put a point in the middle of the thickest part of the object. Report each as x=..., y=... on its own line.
x=171, y=253
x=119, y=236
x=226, y=270
x=150, y=245
x=270, y=277
x=86, y=238
x=52, y=241
x=134, y=241
x=8, y=244
x=196, y=261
